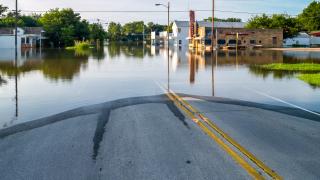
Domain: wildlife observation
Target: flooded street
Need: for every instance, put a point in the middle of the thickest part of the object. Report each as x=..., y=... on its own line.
x=53, y=81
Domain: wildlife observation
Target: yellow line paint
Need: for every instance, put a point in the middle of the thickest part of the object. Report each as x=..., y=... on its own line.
x=249, y=155
x=244, y=164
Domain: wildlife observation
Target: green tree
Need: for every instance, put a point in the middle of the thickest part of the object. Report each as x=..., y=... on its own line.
x=97, y=32
x=68, y=35
x=82, y=31
x=3, y=9
x=209, y=19
x=310, y=17
x=64, y=26
x=29, y=21
x=114, y=31
x=289, y=24
x=133, y=30
x=262, y=21
x=155, y=27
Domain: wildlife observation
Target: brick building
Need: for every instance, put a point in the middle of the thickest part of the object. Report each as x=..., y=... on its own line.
x=241, y=38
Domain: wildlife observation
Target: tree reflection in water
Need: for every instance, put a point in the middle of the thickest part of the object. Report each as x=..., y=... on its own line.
x=58, y=64
x=2, y=81
x=128, y=50
x=54, y=64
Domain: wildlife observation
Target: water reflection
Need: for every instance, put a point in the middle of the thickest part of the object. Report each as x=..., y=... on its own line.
x=298, y=56
x=57, y=64
x=119, y=71
x=54, y=64
x=128, y=50
x=2, y=81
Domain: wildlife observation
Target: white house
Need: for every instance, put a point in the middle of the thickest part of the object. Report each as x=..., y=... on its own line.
x=160, y=38
x=28, y=37
x=302, y=39
x=180, y=32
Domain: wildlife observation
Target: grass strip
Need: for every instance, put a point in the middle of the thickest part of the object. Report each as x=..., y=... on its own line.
x=312, y=79
x=305, y=67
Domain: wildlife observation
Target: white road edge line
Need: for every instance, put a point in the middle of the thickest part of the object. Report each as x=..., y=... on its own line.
x=263, y=94
x=280, y=100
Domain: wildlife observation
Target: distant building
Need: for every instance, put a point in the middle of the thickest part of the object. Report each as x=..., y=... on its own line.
x=231, y=35
x=28, y=37
x=181, y=32
x=302, y=39
x=315, y=39
x=160, y=38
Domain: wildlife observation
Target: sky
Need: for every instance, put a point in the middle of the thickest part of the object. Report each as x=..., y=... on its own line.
x=246, y=7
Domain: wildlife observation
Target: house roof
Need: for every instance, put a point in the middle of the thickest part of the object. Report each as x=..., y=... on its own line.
x=315, y=33
x=302, y=35
x=27, y=30
x=209, y=24
x=6, y=31
x=33, y=30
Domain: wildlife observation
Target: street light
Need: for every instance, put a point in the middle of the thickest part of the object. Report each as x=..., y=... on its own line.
x=168, y=29
x=168, y=25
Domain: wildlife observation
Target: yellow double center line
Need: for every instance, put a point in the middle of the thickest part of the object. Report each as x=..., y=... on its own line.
x=211, y=130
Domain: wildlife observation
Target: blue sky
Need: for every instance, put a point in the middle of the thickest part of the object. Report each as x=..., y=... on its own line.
x=253, y=6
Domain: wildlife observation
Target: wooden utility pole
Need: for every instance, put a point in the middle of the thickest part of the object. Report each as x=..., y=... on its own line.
x=16, y=28
x=212, y=30
x=16, y=56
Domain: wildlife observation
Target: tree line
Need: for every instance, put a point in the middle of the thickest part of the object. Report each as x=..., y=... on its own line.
x=133, y=31
x=308, y=20
x=62, y=26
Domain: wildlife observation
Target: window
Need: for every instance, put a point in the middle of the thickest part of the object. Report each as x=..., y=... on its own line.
x=179, y=30
x=260, y=42
x=252, y=41
x=180, y=42
x=232, y=41
x=28, y=41
x=22, y=40
x=207, y=42
x=221, y=41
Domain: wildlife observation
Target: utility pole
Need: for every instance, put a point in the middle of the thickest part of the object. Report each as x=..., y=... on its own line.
x=16, y=29
x=168, y=39
x=16, y=57
x=168, y=30
x=212, y=30
x=212, y=47
x=143, y=34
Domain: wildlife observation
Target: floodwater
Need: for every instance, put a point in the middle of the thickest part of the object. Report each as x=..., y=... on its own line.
x=51, y=81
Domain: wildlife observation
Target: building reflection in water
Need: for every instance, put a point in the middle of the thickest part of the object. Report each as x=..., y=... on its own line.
x=201, y=61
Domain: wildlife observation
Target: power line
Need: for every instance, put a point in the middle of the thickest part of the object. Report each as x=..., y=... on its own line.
x=151, y=11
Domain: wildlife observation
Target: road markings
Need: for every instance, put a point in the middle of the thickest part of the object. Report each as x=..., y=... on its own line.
x=245, y=152
x=193, y=114
x=244, y=164
x=280, y=100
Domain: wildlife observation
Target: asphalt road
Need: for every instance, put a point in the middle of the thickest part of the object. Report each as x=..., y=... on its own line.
x=149, y=138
